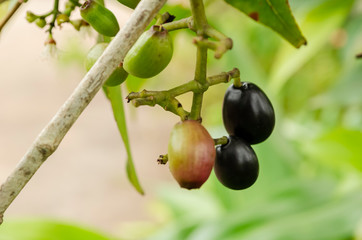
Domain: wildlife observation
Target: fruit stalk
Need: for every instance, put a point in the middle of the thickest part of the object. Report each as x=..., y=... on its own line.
x=55, y=13
x=198, y=13
x=180, y=24
x=151, y=98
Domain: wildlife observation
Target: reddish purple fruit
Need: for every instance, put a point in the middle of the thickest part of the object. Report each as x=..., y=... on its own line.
x=191, y=154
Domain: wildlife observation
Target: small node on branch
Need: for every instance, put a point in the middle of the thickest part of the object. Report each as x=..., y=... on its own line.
x=235, y=73
x=220, y=47
x=221, y=141
x=164, y=18
x=162, y=159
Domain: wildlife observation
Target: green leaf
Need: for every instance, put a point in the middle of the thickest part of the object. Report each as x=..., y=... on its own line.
x=337, y=148
x=318, y=25
x=43, y=229
x=114, y=94
x=4, y=8
x=275, y=14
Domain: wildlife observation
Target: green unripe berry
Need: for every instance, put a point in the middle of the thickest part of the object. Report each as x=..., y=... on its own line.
x=100, y=18
x=129, y=3
x=31, y=17
x=40, y=22
x=62, y=18
x=151, y=53
x=118, y=76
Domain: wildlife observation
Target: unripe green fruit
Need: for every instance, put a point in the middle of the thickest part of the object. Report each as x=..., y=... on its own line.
x=62, y=18
x=191, y=154
x=40, y=22
x=100, y=18
x=31, y=17
x=94, y=53
x=151, y=53
x=118, y=76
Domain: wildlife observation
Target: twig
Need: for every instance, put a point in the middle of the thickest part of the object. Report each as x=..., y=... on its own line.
x=51, y=136
x=10, y=14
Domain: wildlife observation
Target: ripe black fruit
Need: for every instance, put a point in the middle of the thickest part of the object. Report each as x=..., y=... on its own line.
x=248, y=113
x=236, y=164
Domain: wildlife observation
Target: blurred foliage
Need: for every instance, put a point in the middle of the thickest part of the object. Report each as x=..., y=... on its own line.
x=45, y=229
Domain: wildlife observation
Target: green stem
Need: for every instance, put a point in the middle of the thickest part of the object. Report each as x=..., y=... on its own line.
x=201, y=63
x=46, y=14
x=167, y=100
x=180, y=24
x=213, y=33
x=220, y=46
x=190, y=86
x=200, y=77
x=237, y=82
x=55, y=14
x=221, y=141
x=198, y=13
x=196, y=107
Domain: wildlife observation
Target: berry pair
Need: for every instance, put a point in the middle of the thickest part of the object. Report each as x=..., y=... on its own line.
x=249, y=118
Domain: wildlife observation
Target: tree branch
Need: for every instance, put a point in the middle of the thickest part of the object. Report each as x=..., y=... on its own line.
x=10, y=14
x=51, y=136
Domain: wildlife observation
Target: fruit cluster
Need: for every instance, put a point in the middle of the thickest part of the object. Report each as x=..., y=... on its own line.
x=248, y=117
x=247, y=113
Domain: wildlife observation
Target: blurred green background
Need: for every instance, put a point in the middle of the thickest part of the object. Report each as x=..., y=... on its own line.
x=310, y=181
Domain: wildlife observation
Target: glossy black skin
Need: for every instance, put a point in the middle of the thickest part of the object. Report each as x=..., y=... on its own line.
x=248, y=113
x=236, y=164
